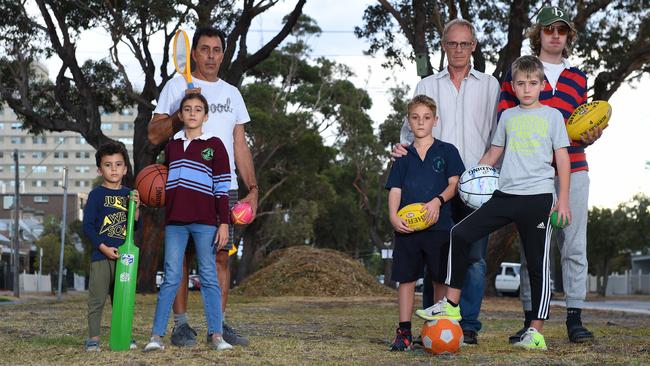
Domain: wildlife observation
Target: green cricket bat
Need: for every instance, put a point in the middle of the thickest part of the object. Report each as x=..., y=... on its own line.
x=126, y=272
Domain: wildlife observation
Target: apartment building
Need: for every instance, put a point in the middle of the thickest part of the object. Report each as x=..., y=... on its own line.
x=42, y=158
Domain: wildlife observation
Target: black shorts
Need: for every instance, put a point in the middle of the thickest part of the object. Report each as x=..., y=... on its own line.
x=413, y=251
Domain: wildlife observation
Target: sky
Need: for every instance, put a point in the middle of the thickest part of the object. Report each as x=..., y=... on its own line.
x=617, y=161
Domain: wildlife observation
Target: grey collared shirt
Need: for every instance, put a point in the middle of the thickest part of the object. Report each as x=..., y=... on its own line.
x=467, y=117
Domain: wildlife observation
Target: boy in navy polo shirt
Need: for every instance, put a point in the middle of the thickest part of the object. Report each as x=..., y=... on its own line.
x=104, y=223
x=428, y=173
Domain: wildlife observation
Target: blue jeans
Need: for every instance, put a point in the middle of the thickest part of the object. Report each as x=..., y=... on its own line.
x=473, y=288
x=176, y=237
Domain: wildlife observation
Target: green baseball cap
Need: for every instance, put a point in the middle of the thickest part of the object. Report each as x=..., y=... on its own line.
x=551, y=14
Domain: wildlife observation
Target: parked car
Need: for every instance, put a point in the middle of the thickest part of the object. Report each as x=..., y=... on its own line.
x=507, y=281
x=194, y=282
x=160, y=276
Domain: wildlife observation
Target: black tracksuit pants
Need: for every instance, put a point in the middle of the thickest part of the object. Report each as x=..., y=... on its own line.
x=530, y=214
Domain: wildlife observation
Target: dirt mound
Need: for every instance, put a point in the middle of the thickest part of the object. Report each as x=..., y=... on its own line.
x=307, y=271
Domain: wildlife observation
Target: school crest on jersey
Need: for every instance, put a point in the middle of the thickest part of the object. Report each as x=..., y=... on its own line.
x=207, y=153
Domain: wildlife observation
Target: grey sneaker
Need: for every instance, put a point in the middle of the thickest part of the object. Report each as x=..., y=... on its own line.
x=92, y=345
x=184, y=336
x=220, y=344
x=233, y=337
x=155, y=344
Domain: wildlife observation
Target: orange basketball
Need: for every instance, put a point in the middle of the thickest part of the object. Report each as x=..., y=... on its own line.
x=150, y=182
x=442, y=336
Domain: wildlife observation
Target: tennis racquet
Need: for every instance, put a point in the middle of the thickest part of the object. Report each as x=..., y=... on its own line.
x=182, y=56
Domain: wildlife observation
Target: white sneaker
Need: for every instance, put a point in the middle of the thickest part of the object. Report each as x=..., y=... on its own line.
x=220, y=345
x=154, y=345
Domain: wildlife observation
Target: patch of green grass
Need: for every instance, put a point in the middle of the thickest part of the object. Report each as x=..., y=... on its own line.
x=5, y=299
x=65, y=340
x=312, y=331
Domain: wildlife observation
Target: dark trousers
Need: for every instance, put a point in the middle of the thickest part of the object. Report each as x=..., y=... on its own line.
x=531, y=215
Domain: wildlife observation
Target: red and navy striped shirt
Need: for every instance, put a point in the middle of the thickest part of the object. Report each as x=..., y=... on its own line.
x=570, y=92
x=198, y=181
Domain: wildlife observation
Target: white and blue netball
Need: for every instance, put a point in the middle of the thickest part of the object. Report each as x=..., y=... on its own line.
x=477, y=184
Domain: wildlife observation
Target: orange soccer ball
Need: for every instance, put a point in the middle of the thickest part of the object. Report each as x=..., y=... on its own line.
x=442, y=336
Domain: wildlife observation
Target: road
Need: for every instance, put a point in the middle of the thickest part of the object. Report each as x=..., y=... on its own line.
x=628, y=306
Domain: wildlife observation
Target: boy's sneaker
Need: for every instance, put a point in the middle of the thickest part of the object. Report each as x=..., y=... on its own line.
x=219, y=344
x=440, y=310
x=154, y=345
x=233, y=337
x=403, y=340
x=133, y=345
x=517, y=336
x=184, y=336
x=532, y=340
x=92, y=345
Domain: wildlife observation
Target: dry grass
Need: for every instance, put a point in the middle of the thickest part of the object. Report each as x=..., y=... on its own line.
x=306, y=331
x=307, y=271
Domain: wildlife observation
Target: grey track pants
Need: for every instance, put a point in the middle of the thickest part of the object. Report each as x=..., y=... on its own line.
x=572, y=244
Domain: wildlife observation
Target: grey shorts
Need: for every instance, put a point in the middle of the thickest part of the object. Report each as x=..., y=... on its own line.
x=233, y=197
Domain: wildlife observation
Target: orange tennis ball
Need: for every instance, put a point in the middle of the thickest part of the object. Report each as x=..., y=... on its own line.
x=241, y=213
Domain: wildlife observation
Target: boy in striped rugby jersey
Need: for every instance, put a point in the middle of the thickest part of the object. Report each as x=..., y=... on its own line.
x=566, y=88
x=196, y=204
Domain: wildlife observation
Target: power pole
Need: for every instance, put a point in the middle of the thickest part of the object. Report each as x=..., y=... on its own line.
x=63, y=224
x=16, y=256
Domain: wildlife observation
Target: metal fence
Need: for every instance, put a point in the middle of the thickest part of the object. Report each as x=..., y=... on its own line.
x=628, y=283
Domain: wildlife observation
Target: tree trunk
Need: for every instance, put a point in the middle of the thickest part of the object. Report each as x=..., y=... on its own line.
x=603, y=291
x=247, y=258
x=518, y=22
x=151, y=247
x=501, y=243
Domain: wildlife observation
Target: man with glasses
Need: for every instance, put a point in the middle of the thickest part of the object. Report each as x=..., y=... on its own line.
x=226, y=120
x=467, y=101
x=566, y=88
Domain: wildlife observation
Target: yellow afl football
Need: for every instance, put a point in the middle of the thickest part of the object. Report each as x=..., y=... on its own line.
x=414, y=216
x=587, y=117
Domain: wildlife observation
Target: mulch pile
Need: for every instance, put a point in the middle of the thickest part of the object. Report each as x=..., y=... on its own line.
x=307, y=271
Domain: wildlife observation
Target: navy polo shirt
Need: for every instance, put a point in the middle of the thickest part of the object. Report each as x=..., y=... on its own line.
x=421, y=181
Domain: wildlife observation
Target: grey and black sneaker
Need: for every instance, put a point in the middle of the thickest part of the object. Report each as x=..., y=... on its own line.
x=517, y=336
x=92, y=345
x=184, y=336
x=231, y=336
x=470, y=337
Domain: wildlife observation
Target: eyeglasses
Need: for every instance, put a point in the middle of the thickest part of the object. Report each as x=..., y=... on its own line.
x=463, y=45
x=561, y=30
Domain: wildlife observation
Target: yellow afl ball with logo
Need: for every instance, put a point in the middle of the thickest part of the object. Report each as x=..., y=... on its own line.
x=588, y=116
x=414, y=216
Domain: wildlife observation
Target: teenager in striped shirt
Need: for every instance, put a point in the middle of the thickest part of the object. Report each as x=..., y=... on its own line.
x=566, y=88
x=196, y=204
